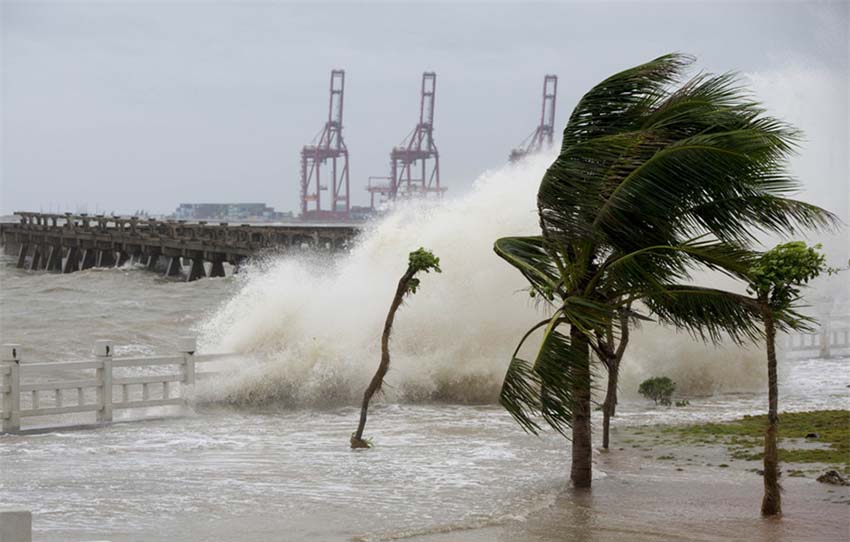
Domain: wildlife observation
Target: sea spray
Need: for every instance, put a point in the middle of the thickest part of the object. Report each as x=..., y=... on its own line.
x=316, y=321
x=319, y=321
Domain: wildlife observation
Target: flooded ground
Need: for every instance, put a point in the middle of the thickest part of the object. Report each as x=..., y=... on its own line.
x=440, y=470
x=437, y=472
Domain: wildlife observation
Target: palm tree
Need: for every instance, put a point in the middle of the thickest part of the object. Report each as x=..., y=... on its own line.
x=775, y=279
x=652, y=181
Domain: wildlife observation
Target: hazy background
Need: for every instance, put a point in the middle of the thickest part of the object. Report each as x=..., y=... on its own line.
x=118, y=106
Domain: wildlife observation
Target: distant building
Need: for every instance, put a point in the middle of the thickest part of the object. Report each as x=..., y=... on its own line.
x=227, y=212
x=361, y=213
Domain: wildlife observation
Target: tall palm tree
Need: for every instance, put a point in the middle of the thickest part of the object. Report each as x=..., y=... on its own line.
x=652, y=181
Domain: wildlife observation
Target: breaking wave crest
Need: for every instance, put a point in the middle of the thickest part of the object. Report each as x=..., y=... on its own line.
x=315, y=323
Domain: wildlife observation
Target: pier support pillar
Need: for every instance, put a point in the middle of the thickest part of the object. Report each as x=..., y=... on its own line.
x=174, y=267
x=217, y=269
x=35, y=260
x=197, y=270
x=22, y=255
x=237, y=264
x=45, y=254
x=88, y=260
x=122, y=259
x=72, y=261
x=53, y=262
x=105, y=258
x=152, y=261
x=11, y=364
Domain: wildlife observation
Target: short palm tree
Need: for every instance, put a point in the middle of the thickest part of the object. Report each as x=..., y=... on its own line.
x=775, y=279
x=652, y=180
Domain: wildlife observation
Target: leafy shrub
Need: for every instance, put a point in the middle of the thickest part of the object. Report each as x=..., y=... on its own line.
x=660, y=389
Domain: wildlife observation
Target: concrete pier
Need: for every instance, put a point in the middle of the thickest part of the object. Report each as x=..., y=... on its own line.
x=69, y=243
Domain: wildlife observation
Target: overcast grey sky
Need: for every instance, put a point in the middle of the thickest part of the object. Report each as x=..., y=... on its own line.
x=143, y=105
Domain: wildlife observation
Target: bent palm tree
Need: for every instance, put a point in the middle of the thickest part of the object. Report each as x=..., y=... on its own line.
x=651, y=181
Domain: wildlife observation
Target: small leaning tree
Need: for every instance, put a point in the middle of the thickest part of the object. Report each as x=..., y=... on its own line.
x=418, y=261
x=775, y=279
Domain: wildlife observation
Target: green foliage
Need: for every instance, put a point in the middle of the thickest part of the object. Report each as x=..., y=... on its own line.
x=777, y=275
x=541, y=389
x=420, y=260
x=660, y=389
x=744, y=437
x=683, y=403
x=655, y=177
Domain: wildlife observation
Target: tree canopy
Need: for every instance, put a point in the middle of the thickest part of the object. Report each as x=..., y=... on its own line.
x=657, y=176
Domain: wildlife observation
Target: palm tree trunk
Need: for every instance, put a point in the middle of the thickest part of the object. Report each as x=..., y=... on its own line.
x=582, y=447
x=772, y=503
x=378, y=379
x=610, y=405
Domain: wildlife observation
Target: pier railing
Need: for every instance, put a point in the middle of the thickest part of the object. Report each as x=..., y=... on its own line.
x=76, y=393
x=831, y=338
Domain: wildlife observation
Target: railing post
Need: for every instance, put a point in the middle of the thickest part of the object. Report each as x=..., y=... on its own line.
x=103, y=351
x=187, y=346
x=825, y=336
x=12, y=398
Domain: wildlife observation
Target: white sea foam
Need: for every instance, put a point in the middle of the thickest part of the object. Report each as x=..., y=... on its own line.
x=318, y=321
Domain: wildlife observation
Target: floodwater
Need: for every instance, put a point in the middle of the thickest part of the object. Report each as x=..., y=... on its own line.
x=265, y=456
x=438, y=470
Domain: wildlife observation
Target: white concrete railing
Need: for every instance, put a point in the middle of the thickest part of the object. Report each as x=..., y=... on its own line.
x=23, y=400
x=833, y=336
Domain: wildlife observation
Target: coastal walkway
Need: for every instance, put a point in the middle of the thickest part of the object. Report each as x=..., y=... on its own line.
x=64, y=243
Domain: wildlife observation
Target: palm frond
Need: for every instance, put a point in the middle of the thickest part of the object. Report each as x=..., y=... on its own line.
x=542, y=389
x=528, y=255
x=643, y=164
x=708, y=313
